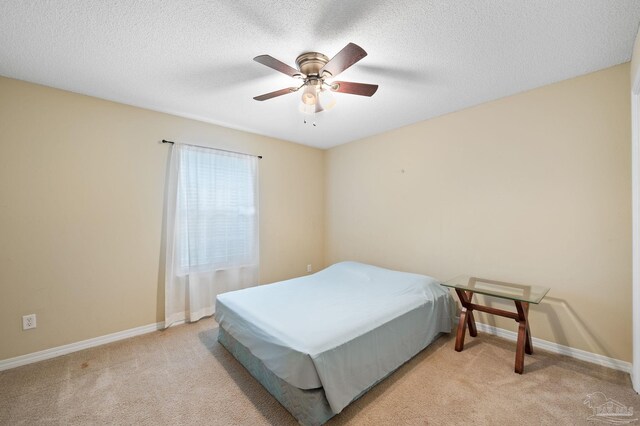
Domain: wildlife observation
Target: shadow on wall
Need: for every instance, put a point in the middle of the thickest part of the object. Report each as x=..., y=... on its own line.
x=552, y=308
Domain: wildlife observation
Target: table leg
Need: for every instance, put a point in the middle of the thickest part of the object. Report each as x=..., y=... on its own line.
x=466, y=319
x=524, y=336
x=522, y=329
x=528, y=346
x=471, y=322
x=462, y=329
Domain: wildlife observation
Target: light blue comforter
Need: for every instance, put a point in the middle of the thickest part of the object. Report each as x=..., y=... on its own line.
x=343, y=328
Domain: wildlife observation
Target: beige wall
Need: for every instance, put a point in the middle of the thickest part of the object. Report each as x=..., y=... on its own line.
x=81, y=208
x=533, y=188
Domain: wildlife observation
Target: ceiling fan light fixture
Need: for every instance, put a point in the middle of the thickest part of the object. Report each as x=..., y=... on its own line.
x=311, y=109
x=326, y=99
x=310, y=95
x=316, y=98
x=308, y=109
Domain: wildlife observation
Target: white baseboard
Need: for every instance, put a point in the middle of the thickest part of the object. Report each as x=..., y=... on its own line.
x=18, y=361
x=556, y=348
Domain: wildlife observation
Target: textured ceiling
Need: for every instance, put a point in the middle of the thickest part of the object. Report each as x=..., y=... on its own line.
x=194, y=58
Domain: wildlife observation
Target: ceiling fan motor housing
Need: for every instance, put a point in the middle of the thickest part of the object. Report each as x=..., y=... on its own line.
x=311, y=63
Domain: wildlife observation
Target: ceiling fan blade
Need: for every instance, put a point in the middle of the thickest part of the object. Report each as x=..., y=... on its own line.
x=349, y=55
x=361, y=89
x=277, y=65
x=275, y=94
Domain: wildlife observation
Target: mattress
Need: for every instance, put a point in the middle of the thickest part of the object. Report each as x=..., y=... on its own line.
x=341, y=329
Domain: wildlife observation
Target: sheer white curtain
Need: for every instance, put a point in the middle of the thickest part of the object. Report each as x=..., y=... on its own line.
x=211, y=231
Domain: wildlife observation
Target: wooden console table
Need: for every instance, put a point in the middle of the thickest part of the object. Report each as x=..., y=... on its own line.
x=522, y=295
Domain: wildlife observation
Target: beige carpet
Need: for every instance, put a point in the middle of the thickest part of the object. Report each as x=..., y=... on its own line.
x=183, y=376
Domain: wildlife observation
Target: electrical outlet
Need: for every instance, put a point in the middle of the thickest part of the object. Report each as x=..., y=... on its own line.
x=309, y=269
x=29, y=321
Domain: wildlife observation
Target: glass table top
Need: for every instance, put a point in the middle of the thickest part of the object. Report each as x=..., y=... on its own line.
x=523, y=293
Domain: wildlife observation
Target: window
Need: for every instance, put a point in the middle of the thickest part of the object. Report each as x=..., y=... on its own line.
x=216, y=210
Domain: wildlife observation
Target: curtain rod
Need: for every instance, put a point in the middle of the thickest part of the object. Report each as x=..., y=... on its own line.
x=225, y=150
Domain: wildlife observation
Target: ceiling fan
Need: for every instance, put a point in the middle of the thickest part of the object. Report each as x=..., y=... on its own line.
x=314, y=69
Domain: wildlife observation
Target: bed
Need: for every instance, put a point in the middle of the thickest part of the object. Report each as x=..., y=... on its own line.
x=318, y=342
